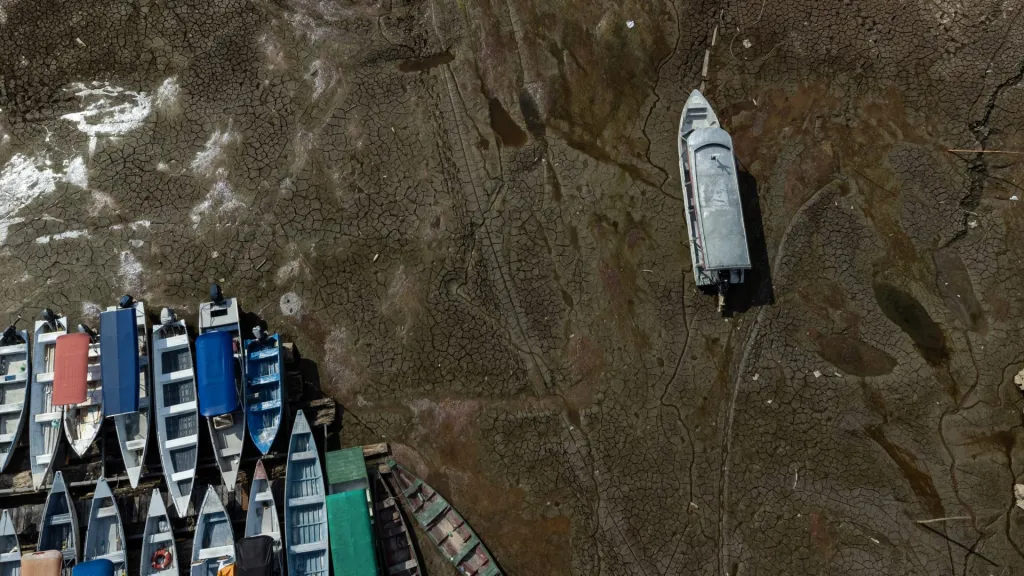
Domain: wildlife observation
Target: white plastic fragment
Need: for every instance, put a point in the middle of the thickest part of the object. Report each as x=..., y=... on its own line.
x=817, y=373
x=1014, y=198
x=630, y=23
x=1018, y=494
x=1019, y=379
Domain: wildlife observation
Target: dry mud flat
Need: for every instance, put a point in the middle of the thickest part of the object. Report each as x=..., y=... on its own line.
x=468, y=213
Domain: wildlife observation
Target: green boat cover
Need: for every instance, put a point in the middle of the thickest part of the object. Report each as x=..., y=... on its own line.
x=348, y=521
x=346, y=465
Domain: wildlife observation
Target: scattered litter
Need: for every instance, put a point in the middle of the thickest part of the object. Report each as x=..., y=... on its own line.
x=747, y=43
x=630, y=23
x=972, y=223
x=873, y=540
x=375, y=256
x=1014, y=198
x=79, y=41
x=769, y=402
x=756, y=376
x=817, y=373
x=1019, y=379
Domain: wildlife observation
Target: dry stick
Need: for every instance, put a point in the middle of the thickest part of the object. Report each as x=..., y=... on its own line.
x=986, y=151
x=943, y=519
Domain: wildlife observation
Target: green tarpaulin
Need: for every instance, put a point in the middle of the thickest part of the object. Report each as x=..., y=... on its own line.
x=348, y=519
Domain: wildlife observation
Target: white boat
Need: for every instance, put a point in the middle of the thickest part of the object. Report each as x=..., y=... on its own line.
x=177, y=415
x=713, y=208
x=14, y=381
x=222, y=406
x=214, y=544
x=305, y=504
x=159, y=555
x=58, y=529
x=261, y=519
x=133, y=427
x=104, y=536
x=82, y=421
x=10, y=550
x=44, y=418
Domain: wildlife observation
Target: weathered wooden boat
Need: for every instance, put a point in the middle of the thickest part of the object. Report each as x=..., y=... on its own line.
x=305, y=505
x=220, y=375
x=14, y=381
x=177, y=414
x=131, y=417
x=261, y=518
x=264, y=388
x=443, y=525
x=78, y=387
x=10, y=550
x=711, y=196
x=100, y=567
x=58, y=529
x=159, y=555
x=45, y=419
x=214, y=544
x=42, y=563
x=104, y=535
x=398, y=555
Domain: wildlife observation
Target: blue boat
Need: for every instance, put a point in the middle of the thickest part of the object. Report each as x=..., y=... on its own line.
x=94, y=568
x=131, y=417
x=120, y=367
x=220, y=378
x=264, y=388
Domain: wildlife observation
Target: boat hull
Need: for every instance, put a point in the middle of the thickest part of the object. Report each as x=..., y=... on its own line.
x=264, y=390
x=214, y=543
x=133, y=427
x=305, y=506
x=159, y=554
x=15, y=378
x=45, y=420
x=227, y=432
x=104, y=539
x=58, y=529
x=176, y=412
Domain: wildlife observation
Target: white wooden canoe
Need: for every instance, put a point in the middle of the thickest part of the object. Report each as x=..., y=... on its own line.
x=261, y=519
x=58, y=529
x=214, y=544
x=305, y=505
x=104, y=537
x=10, y=550
x=133, y=428
x=14, y=382
x=44, y=418
x=159, y=555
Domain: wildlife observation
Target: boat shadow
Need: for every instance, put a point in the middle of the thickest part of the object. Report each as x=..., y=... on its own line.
x=757, y=290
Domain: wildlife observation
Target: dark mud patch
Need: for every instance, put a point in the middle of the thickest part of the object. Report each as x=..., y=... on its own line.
x=907, y=313
x=920, y=480
x=505, y=127
x=954, y=283
x=426, y=63
x=855, y=357
x=531, y=114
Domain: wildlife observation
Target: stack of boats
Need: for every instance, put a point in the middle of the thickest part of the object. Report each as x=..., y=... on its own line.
x=68, y=384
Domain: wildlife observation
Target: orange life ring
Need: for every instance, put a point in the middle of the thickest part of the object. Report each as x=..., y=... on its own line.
x=161, y=559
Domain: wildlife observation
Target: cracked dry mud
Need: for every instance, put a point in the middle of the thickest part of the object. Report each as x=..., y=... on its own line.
x=468, y=213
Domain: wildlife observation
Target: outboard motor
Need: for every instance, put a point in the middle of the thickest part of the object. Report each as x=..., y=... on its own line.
x=93, y=336
x=126, y=301
x=50, y=318
x=11, y=335
x=216, y=295
x=259, y=333
x=167, y=316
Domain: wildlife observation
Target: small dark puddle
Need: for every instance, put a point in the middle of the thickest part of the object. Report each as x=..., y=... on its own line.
x=855, y=357
x=505, y=127
x=423, y=64
x=907, y=313
x=531, y=113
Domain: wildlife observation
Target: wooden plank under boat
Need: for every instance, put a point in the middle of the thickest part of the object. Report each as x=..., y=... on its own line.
x=78, y=386
x=261, y=518
x=264, y=388
x=45, y=419
x=58, y=529
x=305, y=505
x=177, y=411
x=15, y=374
x=443, y=525
x=220, y=391
x=159, y=555
x=10, y=550
x=398, y=555
x=214, y=544
x=104, y=536
x=132, y=422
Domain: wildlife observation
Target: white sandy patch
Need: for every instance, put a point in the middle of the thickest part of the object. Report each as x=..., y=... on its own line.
x=136, y=243
x=63, y=236
x=167, y=94
x=22, y=180
x=141, y=224
x=323, y=78
x=91, y=310
x=77, y=173
x=130, y=272
x=219, y=199
x=101, y=201
x=291, y=304
x=213, y=154
x=109, y=110
x=288, y=271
